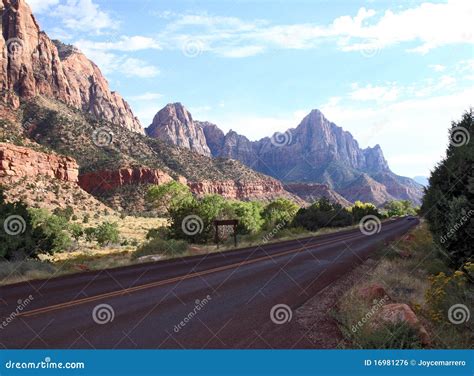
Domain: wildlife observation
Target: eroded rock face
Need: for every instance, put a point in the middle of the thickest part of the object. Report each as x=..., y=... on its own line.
x=259, y=190
x=175, y=125
x=315, y=152
x=31, y=65
x=312, y=192
x=103, y=181
x=18, y=162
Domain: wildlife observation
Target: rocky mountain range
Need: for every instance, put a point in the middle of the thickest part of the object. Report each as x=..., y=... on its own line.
x=57, y=108
x=317, y=151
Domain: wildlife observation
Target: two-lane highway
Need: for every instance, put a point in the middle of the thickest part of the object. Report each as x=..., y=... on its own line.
x=221, y=300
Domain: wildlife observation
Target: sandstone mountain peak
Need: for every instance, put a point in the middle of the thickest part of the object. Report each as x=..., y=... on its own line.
x=174, y=124
x=33, y=65
x=317, y=151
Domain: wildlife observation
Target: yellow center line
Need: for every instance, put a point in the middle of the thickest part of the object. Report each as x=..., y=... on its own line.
x=112, y=294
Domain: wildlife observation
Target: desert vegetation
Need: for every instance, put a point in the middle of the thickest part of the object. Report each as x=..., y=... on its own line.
x=427, y=277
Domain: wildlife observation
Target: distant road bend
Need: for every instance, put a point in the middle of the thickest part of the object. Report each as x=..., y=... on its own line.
x=220, y=300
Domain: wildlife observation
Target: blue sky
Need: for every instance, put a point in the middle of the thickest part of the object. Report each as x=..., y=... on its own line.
x=391, y=73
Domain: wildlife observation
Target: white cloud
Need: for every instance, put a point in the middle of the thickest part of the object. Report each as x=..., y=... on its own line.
x=437, y=67
x=428, y=26
x=410, y=125
x=127, y=66
x=374, y=93
x=41, y=6
x=83, y=16
x=123, y=43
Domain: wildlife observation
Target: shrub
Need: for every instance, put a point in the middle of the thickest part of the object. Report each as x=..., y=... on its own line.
x=448, y=204
x=280, y=211
x=360, y=209
x=249, y=215
x=107, y=233
x=23, y=238
x=168, y=248
x=445, y=291
x=321, y=214
x=66, y=213
x=55, y=226
x=399, y=208
x=390, y=336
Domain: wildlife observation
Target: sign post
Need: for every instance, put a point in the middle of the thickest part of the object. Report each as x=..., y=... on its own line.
x=226, y=223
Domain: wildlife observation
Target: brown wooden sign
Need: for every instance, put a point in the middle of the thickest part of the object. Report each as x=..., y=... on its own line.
x=218, y=224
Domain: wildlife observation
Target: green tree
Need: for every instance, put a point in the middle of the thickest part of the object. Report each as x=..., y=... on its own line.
x=55, y=226
x=362, y=209
x=168, y=196
x=19, y=238
x=448, y=204
x=249, y=215
x=280, y=211
x=399, y=208
x=322, y=213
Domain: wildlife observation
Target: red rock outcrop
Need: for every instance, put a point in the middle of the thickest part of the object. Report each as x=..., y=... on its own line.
x=313, y=192
x=17, y=162
x=102, y=181
x=31, y=65
x=240, y=190
x=402, y=313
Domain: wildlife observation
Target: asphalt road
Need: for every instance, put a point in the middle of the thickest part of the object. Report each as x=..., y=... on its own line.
x=221, y=300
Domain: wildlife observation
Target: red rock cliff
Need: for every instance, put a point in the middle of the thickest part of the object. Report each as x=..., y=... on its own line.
x=32, y=65
x=18, y=162
x=100, y=181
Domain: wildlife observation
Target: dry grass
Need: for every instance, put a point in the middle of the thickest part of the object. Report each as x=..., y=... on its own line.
x=403, y=268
